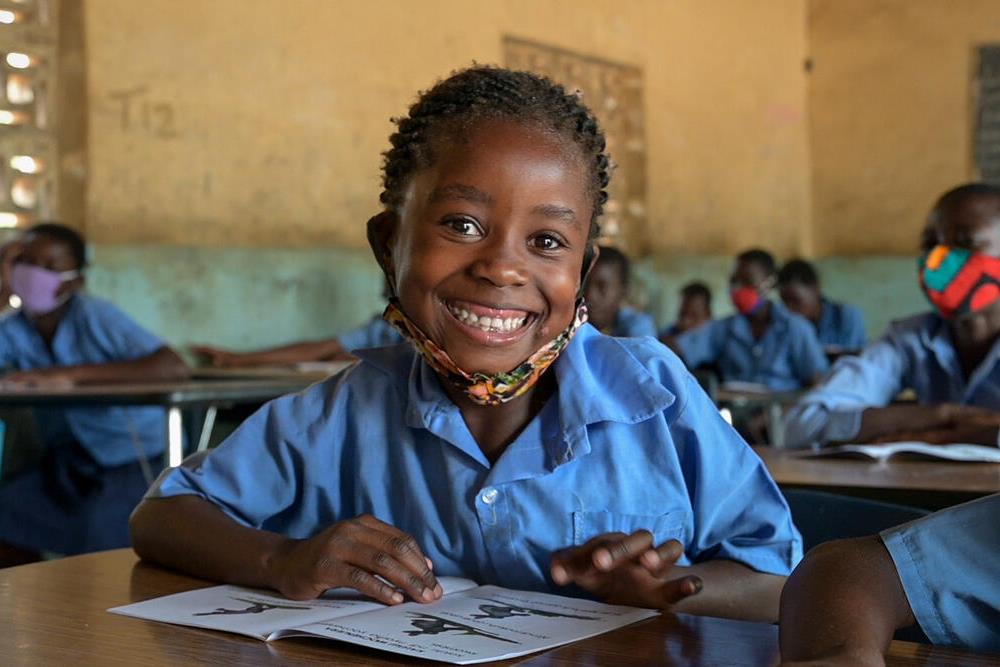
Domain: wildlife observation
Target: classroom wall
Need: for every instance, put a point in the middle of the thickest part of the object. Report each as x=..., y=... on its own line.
x=890, y=111
x=260, y=124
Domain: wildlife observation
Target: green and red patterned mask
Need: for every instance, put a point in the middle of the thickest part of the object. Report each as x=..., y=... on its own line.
x=958, y=281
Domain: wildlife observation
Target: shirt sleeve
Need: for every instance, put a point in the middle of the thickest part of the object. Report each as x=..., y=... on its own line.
x=126, y=339
x=257, y=472
x=375, y=333
x=950, y=571
x=702, y=345
x=855, y=337
x=808, y=355
x=832, y=412
x=739, y=512
x=638, y=324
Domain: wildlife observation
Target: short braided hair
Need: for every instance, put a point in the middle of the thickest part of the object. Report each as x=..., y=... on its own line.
x=486, y=93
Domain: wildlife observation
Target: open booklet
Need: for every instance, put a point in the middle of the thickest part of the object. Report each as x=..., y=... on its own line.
x=912, y=450
x=469, y=624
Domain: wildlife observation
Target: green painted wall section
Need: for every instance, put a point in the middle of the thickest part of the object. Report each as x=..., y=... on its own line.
x=247, y=298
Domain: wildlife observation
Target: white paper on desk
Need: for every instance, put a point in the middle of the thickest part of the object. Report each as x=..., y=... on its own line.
x=470, y=624
x=256, y=613
x=478, y=625
x=956, y=452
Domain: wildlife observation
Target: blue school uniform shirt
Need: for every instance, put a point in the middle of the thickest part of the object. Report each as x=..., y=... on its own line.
x=948, y=565
x=842, y=326
x=788, y=357
x=629, y=441
x=632, y=323
x=374, y=333
x=915, y=353
x=92, y=331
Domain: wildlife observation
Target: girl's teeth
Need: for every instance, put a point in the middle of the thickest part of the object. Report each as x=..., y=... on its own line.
x=487, y=323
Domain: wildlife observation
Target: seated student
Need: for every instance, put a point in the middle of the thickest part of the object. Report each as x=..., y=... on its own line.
x=695, y=308
x=606, y=292
x=762, y=343
x=509, y=441
x=948, y=357
x=376, y=332
x=840, y=327
x=92, y=475
x=843, y=603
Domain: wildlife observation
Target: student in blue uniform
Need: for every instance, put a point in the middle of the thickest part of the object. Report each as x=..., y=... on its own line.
x=948, y=357
x=840, y=327
x=606, y=292
x=509, y=441
x=695, y=309
x=376, y=332
x=79, y=498
x=763, y=343
x=843, y=603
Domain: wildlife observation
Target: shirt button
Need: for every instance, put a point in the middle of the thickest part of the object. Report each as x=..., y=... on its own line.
x=490, y=496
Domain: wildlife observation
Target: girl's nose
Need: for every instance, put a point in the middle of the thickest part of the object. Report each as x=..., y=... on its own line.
x=500, y=264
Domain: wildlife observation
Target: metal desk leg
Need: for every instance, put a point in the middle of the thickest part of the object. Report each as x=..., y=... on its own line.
x=175, y=436
x=206, y=427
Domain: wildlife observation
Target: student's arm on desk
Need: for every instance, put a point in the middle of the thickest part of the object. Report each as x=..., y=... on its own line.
x=319, y=350
x=629, y=569
x=842, y=605
x=163, y=364
x=192, y=535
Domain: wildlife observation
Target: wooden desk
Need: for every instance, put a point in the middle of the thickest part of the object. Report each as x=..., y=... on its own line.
x=928, y=484
x=171, y=395
x=53, y=613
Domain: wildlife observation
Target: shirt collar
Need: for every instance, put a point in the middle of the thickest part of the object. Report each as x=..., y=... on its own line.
x=599, y=381
x=936, y=337
x=779, y=323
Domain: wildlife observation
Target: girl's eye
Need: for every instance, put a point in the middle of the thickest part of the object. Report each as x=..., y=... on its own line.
x=547, y=242
x=463, y=226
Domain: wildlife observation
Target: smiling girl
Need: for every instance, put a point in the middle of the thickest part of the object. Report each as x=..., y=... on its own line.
x=509, y=441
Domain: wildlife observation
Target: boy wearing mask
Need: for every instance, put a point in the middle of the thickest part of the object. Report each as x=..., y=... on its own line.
x=763, y=343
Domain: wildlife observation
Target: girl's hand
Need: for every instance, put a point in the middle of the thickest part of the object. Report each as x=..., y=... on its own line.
x=627, y=569
x=366, y=554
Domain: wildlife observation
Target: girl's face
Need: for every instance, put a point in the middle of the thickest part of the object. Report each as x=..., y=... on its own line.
x=489, y=249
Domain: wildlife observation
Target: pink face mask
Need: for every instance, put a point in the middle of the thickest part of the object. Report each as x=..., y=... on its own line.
x=38, y=288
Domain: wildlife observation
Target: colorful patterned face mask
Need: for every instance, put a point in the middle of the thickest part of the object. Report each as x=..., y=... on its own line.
x=958, y=281
x=483, y=388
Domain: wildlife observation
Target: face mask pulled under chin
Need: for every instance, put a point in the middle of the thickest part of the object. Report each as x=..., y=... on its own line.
x=483, y=388
x=958, y=281
x=38, y=288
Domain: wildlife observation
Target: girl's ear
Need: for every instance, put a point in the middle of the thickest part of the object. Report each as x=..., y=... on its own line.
x=381, y=235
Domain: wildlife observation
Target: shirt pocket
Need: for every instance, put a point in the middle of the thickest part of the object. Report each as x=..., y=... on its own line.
x=670, y=526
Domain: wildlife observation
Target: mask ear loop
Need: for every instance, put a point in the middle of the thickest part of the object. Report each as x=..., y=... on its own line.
x=589, y=262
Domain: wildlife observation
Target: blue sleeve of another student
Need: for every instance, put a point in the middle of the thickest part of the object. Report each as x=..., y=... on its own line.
x=950, y=570
x=703, y=345
x=739, y=512
x=855, y=337
x=808, y=358
x=635, y=324
x=120, y=333
x=832, y=412
x=375, y=333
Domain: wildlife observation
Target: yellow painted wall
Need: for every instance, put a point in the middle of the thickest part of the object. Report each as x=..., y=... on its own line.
x=261, y=123
x=891, y=112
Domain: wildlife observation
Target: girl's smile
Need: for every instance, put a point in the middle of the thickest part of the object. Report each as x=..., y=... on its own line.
x=490, y=243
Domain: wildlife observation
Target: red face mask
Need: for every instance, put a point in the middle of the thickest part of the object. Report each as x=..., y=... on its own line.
x=747, y=300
